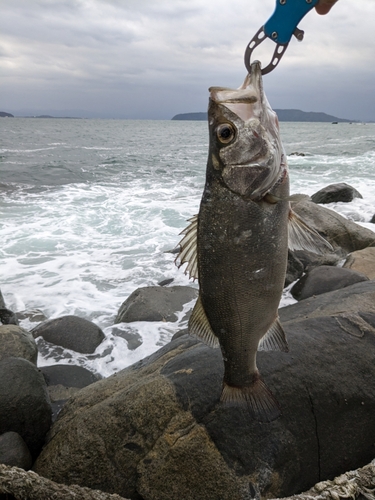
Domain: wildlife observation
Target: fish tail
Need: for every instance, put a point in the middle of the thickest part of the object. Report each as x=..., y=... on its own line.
x=257, y=397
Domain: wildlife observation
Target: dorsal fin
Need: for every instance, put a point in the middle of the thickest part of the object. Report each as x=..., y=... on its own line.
x=188, y=248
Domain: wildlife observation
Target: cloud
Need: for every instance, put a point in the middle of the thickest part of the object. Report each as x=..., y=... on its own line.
x=142, y=58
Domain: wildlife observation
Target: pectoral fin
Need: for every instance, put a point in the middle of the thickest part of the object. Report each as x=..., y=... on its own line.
x=188, y=248
x=303, y=237
x=200, y=327
x=274, y=339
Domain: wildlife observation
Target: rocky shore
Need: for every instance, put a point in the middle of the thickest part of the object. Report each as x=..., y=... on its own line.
x=156, y=430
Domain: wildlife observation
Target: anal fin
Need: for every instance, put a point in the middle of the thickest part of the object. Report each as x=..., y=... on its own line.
x=274, y=339
x=200, y=327
x=258, y=399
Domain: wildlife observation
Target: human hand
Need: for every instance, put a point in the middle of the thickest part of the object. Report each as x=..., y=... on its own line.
x=324, y=6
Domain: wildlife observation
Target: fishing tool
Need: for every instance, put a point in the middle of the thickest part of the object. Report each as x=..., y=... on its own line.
x=279, y=28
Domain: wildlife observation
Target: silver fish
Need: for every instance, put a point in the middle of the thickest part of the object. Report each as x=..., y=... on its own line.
x=237, y=245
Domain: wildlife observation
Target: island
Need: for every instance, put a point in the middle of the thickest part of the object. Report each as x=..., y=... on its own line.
x=284, y=115
x=6, y=115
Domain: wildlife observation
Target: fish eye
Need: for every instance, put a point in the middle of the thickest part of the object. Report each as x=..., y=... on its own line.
x=225, y=133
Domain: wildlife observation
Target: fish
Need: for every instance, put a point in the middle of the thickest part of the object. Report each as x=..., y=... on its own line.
x=237, y=245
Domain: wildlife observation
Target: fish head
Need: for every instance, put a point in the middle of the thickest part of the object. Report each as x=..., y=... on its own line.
x=245, y=145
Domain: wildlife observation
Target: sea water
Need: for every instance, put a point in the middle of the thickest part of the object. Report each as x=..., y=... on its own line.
x=89, y=209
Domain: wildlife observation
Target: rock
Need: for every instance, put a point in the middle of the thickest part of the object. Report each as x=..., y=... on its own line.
x=344, y=235
x=132, y=337
x=336, y=192
x=64, y=381
x=166, y=282
x=24, y=402
x=357, y=299
x=68, y=376
x=14, y=451
x=17, y=343
x=362, y=261
x=71, y=332
x=294, y=270
x=373, y=219
x=2, y=302
x=156, y=429
x=8, y=317
x=18, y=484
x=33, y=315
x=155, y=303
x=325, y=279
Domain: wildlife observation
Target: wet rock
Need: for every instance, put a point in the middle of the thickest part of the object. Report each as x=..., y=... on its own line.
x=344, y=235
x=155, y=303
x=373, y=219
x=362, y=261
x=71, y=332
x=14, y=451
x=33, y=315
x=2, y=301
x=64, y=381
x=325, y=279
x=166, y=282
x=24, y=402
x=294, y=270
x=157, y=430
x=8, y=317
x=132, y=337
x=336, y=192
x=18, y=343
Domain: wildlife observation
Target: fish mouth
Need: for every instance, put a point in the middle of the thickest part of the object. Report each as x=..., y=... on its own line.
x=251, y=180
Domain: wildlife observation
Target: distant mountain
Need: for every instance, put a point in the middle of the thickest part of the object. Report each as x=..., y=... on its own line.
x=6, y=115
x=284, y=115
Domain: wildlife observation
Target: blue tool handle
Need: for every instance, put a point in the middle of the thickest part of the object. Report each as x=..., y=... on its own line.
x=288, y=13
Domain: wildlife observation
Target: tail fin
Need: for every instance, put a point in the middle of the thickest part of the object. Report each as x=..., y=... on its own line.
x=257, y=397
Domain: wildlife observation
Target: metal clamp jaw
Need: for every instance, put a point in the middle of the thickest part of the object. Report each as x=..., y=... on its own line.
x=279, y=28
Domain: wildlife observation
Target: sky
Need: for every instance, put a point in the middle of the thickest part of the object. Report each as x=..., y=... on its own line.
x=152, y=59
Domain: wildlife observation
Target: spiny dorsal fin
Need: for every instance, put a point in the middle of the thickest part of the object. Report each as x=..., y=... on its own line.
x=303, y=237
x=274, y=339
x=257, y=397
x=200, y=327
x=188, y=248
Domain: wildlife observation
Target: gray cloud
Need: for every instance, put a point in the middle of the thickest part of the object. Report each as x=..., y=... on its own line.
x=147, y=59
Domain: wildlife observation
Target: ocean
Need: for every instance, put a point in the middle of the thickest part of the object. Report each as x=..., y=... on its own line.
x=90, y=207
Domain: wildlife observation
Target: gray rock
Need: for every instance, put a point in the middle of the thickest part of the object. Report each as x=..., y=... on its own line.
x=14, y=451
x=156, y=429
x=132, y=337
x=294, y=270
x=8, y=317
x=33, y=315
x=325, y=279
x=155, y=303
x=18, y=343
x=24, y=402
x=166, y=282
x=336, y=192
x=71, y=332
x=352, y=300
x=362, y=261
x=2, y=301
x=344, y=235
x=373, y=219
x=68, y=376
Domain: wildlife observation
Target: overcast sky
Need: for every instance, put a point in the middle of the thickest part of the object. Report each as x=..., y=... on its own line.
x=156, y=58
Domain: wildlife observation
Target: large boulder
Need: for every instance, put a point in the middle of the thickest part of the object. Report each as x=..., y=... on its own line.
x=325, y=279
x=157, y=430
x=17, y=343
x=336, y=192
x=24, y=402
x=71, y=332
x=155, y=303
x=362, y=261
x=344, y=235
